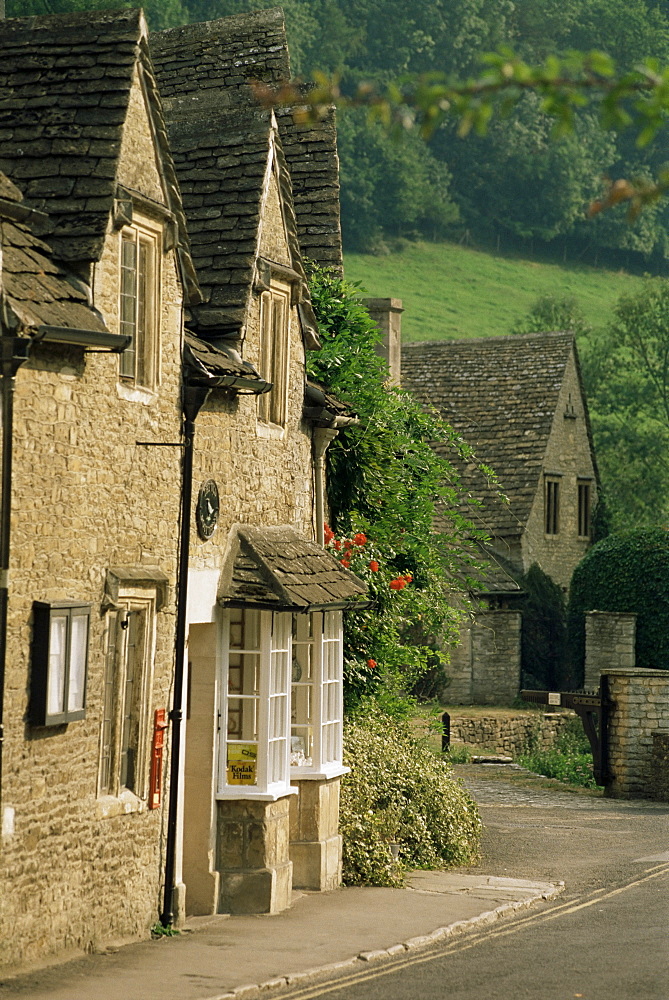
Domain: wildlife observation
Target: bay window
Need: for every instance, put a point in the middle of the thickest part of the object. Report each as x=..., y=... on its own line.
x=255, y=704
x=281, y=701
x=317, y=695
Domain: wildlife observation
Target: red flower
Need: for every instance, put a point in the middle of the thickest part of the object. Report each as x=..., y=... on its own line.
x=348, y=544
x=346, y=562
x=398, y=584
x=408, y=577
x=360, y=539
x=374, y=566
x=328, y=533
x=371, y=664
x=337, y=544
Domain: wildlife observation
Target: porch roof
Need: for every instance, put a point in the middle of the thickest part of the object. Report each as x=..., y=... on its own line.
x=278, y=569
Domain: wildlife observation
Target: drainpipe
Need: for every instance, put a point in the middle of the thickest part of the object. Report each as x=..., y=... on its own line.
x=322, y=438
x=14, y=351
x=193, y=398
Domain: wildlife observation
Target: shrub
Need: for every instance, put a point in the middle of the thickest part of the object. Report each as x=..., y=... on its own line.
x=627, y=572
x=398, y=791
x=543, y=632
x=568, y=760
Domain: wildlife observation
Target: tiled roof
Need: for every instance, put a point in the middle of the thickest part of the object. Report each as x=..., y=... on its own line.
x=279, y=569
x=221, y=159
x=65, y=84
x=204, y=362
x=37, y=291
x=323, y=408
x=494, y=575
x=500, y=394
x=207, y=65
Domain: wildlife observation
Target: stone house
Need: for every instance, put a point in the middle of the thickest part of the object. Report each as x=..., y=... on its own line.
x=262, y=594
x=152, y=361
x=518, y=402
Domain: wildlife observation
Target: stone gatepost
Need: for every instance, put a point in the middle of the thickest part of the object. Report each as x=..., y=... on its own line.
x=315, y=842
x=496, y=650
x=256, y=872
x=387, y=314
x=610, y=641
x=639, y=711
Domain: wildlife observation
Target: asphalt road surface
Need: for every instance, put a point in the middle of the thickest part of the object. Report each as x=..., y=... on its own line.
x=605, y=938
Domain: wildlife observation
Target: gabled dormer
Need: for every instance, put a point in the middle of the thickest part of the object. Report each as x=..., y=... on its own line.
x=83, y=137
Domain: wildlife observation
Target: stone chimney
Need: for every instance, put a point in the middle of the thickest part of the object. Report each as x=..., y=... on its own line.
x=387, y=314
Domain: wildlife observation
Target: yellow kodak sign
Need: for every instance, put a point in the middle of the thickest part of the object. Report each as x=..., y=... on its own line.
x=241, y=764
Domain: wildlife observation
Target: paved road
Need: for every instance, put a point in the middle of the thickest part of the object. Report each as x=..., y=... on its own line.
x=605, y=938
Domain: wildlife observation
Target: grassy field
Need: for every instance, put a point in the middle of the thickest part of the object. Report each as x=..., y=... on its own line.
x=454, y=291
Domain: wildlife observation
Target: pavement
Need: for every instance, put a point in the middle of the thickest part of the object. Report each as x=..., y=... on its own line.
x=221, y=957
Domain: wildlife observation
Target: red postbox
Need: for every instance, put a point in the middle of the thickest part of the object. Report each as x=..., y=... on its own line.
x=157, y=747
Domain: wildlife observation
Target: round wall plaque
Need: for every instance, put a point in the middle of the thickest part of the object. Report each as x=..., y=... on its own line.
x=206, y=512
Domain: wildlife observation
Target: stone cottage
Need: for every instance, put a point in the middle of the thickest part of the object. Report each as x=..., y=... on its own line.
x=94, y=490
x=146, y=366
x=263, y=754
x=518, y=402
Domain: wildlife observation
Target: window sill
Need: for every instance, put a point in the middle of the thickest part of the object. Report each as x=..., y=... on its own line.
x=271, y=432
x=135, y=394
x=327, y=772
x=123, y=804
x=251, y=795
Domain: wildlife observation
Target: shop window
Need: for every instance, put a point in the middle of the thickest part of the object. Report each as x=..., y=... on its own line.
x=127, y=693
x=584, y=509
x=274, y=319
x=139, y=299
x=552, y=506
x=59, y=663
x=317, y=695
x=254, y=759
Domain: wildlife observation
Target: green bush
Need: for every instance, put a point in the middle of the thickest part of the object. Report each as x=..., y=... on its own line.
x=399, y=792
x=543, y=631
x=568, y=760
x=627, y=572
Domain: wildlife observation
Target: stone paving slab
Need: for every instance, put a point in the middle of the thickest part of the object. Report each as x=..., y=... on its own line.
x=223, y=957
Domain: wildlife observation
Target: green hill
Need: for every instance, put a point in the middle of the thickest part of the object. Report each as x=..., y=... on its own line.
x=454, y=291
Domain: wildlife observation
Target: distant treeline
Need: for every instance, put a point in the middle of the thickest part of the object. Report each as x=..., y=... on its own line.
x=512, y=187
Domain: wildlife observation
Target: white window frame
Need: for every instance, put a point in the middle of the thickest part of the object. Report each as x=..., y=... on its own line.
x=274, y=364
x=113, y=727
x=325, y=646
x=139, y=364
x=273, y=649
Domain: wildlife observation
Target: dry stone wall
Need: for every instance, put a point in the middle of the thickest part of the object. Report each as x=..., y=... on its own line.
x=511, y=735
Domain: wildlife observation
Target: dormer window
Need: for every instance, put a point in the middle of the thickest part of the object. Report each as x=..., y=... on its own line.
x=139, y=302
x=274, y=352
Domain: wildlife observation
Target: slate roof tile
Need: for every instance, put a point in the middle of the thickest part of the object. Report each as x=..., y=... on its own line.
x=35, y=288
x=65, y=84
x=500, y=395
x=223, y=56
x=278, y=568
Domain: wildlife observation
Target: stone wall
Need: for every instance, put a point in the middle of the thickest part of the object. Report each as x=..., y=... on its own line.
x=640, y=709
x=610, y=641
x=512, y=734
x=484, y=668
x=659, y=766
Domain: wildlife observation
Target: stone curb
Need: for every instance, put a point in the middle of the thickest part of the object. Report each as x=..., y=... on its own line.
x=412, y=944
